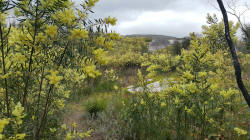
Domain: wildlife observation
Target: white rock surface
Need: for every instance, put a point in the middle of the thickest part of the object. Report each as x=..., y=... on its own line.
x=153, y=87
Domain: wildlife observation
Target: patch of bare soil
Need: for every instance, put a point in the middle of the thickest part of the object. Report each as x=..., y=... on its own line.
x=76, y=114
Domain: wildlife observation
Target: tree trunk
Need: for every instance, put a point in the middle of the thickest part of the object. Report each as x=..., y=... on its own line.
x=233, y=53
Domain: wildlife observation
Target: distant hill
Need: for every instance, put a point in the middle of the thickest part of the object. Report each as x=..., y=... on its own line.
x=158, y=41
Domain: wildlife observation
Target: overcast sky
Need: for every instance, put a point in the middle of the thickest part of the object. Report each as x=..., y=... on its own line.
x=166, y=17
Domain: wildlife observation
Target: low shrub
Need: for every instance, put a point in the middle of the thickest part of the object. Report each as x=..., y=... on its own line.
x=96, y=104
x=105, y=86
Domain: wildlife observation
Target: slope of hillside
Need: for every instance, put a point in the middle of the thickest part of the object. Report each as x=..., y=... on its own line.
x=158, y=41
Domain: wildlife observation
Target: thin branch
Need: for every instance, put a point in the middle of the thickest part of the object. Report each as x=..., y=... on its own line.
x=4, y=71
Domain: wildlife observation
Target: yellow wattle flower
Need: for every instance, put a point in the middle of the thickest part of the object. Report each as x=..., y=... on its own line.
x=3, y=123
x=240, y=131
x=18, y=110
x=90, y=70
x=100, y=41
x=111, y=21
x=20, y=136
x=51, y=30
x=163, y=104
x=63, y=126
x=74, y=125
x=66, y=16
x=53, y=78
x=92, y=3
x=77, y=34
x=142, y=102
x=100, y=56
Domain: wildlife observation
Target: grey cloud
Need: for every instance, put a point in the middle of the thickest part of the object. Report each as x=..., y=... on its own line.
x=171, y=29
x=129, y=10
x=147, y=5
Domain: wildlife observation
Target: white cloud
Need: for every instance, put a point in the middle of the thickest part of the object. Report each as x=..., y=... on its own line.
x=166, y=22
x=168, y=17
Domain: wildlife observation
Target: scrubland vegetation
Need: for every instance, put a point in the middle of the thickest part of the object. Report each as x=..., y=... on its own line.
x=65, y=76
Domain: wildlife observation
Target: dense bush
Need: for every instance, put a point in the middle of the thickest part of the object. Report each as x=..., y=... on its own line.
x=96, y=104
x=201, y=102
x=55, y=55
x=178, y=46
x=53, y=49
x=127, y=52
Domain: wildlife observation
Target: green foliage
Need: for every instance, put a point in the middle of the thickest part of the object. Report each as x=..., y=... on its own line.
x=54, y=49
x=178, y=46
x=158, y=64
x=143, y=115
x=56, y=53
x=106, y=86
x=214, y=33
x=201, y=102
x=13, y=124
x=96, y=104
x=246, y=39
x=128, y=52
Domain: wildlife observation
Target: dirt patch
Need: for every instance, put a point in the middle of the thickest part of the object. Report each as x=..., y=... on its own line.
x=77, y=114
